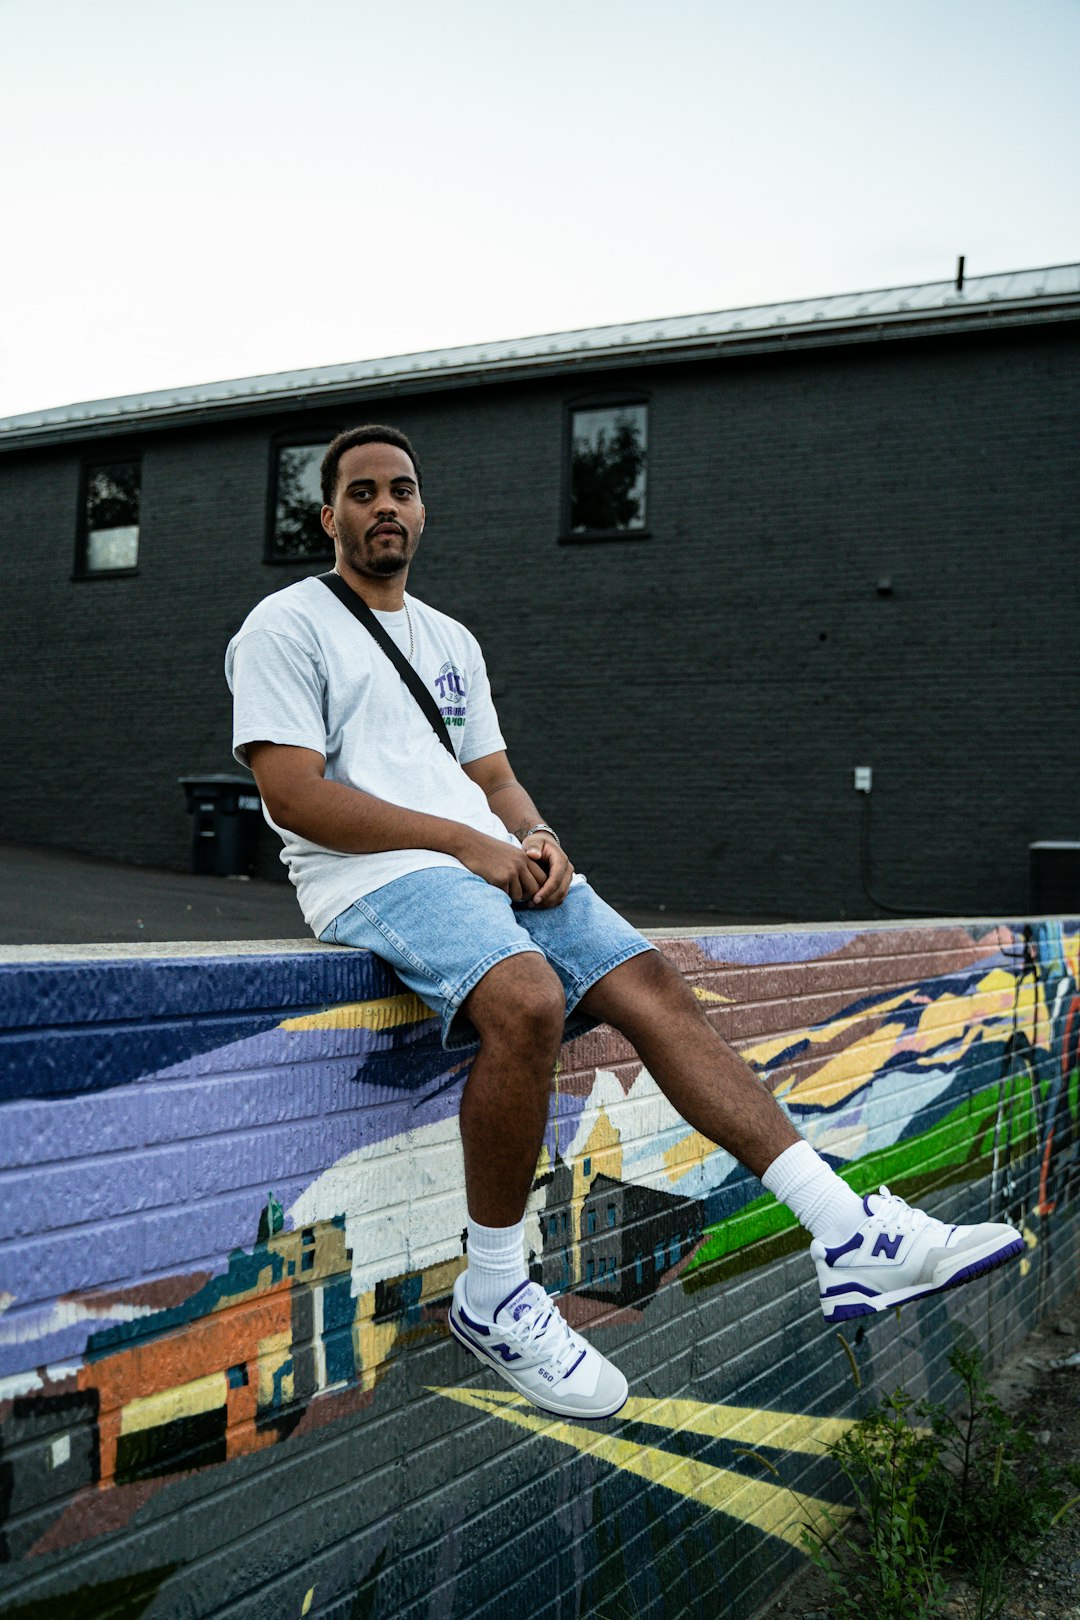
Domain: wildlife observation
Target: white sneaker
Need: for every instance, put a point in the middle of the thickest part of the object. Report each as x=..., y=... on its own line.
x=530, y=1344
x=899, y=1253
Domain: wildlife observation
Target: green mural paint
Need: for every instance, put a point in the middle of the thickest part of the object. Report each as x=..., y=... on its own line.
x=958, y=1148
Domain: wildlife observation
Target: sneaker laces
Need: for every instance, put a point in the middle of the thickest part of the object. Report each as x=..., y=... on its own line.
x=896, y=1216
x=542, y=1333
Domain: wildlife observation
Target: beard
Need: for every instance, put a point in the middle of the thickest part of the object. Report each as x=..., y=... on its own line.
x=375, y=560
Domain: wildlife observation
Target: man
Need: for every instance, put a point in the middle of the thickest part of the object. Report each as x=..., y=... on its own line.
x=442, y=864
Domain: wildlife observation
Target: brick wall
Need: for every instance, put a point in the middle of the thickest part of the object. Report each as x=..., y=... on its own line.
x=232, y=1211
x=687, y=709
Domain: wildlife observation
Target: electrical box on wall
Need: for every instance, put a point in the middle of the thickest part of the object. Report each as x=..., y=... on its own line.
x=864, y=777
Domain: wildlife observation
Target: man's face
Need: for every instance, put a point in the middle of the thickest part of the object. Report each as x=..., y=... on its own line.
x=377, y=516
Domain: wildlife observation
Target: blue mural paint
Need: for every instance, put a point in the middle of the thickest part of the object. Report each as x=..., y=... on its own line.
x=776, y=949
x=240, y=1154
x=75, y=1027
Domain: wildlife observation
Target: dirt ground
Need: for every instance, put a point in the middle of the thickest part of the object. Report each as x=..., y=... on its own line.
x=1041, y=1383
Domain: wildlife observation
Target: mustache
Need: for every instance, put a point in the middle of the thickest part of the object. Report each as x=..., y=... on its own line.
x=386, y=523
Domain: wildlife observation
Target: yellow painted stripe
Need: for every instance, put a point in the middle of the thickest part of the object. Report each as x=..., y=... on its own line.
x=745, y=1425
x=186, y=1400
x=387, y=1013
x=713, y=996
x=768, y=1506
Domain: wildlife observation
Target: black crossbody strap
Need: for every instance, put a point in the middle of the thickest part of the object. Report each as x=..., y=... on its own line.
x=360, y=610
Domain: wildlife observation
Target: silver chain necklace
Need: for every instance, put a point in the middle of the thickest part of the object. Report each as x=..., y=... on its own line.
x=408, y=621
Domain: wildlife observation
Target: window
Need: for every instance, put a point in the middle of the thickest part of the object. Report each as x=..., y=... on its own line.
x=295, y=530
x=607, y=471
x=109, y=531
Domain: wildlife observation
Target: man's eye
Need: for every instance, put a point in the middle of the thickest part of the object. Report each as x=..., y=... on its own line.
x=402, y=494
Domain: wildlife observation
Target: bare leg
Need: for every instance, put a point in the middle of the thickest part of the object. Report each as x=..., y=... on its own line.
x=518, y=1009
x=649, y=1002
x=508, y=1322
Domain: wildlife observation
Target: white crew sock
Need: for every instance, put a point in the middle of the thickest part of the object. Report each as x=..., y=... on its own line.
x=816, y=1196
x=496, y=1256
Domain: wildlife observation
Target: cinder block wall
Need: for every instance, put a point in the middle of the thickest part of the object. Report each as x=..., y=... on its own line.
x=232, y=1211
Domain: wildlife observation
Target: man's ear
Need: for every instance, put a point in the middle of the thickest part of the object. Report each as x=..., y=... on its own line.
x=326, y=518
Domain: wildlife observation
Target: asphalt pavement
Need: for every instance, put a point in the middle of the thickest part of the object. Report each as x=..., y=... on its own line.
x=51, y=897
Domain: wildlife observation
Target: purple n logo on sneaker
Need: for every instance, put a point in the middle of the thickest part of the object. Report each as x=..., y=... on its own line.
x=886, y=1245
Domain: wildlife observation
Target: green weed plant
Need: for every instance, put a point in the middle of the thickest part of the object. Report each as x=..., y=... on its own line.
x=940, y=1494
x=894, y=1568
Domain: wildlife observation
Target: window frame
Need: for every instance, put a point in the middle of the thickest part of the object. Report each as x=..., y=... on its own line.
x=298, y=439
x=610, y=399
x=87, y=466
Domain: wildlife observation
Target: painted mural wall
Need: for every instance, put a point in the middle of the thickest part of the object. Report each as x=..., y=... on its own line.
x=232, y=1212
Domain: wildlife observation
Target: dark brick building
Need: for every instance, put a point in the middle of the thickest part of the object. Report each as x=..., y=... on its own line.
x=716, y=564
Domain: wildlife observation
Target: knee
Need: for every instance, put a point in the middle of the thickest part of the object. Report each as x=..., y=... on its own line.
x=541, y=1010
x=670, y=990
x=521, y=1010
x=655, y=978
x=534, y=1011
x=643, y=993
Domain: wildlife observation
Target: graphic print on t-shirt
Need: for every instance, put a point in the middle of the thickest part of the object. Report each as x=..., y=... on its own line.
x=450, y=686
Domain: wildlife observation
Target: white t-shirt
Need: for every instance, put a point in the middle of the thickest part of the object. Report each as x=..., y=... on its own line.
x=303, y=671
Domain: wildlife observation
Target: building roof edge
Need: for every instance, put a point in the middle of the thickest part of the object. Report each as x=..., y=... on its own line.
x=1015, y=297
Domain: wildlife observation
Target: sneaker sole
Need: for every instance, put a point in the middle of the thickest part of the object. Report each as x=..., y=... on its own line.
x=843, y=1307
x=552, y=1411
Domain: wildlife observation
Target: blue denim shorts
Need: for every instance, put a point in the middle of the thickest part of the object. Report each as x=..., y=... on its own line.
x=443, y=928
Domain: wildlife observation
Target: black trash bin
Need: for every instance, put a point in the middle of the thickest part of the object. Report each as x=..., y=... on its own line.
x=1055, y=876
x=227, y=812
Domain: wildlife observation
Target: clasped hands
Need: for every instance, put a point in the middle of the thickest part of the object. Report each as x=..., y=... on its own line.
x=536, y=874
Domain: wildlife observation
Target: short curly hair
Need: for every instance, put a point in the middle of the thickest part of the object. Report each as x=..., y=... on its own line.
x=370, y=433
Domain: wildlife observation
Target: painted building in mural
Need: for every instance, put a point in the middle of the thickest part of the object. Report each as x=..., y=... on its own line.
x=254, y=1312
x=614, y=1241
x=765, y=547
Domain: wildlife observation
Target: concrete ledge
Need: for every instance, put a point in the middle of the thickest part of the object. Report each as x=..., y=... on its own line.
x=15, y=955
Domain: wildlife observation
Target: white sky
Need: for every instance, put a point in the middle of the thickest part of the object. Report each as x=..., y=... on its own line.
x=199, y=189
